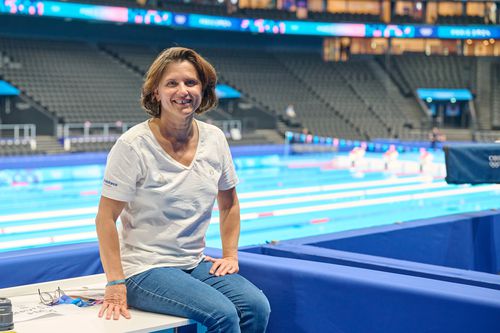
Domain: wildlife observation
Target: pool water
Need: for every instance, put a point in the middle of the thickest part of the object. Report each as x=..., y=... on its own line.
x=281, y=197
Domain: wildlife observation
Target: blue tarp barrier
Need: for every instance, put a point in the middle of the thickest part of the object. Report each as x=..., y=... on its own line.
x=320, y=296
x=462, y=248
x=48, y=264
x=473, y=164
x=308, y=296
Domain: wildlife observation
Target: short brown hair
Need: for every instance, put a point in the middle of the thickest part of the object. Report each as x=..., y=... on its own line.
x=204, y=69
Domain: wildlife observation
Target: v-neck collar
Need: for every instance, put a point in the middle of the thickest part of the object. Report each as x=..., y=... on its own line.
x=195, y=156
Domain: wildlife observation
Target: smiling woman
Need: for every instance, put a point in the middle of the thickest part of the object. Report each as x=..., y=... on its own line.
x=180, y=88
x=205, y=74
x=166, y=174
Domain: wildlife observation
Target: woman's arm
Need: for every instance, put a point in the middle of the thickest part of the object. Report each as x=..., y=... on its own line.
x=229, y=210
x=115, y=297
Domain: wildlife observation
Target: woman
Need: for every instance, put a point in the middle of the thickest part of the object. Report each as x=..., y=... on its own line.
x=162, y=178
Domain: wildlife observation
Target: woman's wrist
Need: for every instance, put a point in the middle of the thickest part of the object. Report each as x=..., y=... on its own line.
x=115, y=282
x=232, y=254
x=234, y=258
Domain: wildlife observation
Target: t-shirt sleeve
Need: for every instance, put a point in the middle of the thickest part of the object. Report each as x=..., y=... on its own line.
x=228, y=178
x=121, y=173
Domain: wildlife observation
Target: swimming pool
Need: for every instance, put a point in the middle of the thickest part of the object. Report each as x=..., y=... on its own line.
x=281, y=197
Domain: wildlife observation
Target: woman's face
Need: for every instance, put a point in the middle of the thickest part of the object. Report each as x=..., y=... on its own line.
x=180, y=90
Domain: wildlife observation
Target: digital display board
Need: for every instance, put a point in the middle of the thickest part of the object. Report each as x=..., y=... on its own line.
x=472, y=32
x=255, y=25
x=85, y=12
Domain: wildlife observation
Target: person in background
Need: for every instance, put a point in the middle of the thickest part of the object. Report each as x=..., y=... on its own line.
x=290, y=112
x=426, y=158
x=435, y=136
x=356, y=155
x=390, y=157
x=162, y=178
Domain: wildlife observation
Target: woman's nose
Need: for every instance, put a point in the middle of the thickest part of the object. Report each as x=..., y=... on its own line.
x=182, y=88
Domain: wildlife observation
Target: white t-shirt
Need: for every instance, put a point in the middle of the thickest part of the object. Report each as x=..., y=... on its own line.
x=169, y=205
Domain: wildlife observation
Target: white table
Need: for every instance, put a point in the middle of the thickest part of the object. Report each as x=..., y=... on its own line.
x=83, y=320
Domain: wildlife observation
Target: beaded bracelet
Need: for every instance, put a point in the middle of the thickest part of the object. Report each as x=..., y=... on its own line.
x=115, y=282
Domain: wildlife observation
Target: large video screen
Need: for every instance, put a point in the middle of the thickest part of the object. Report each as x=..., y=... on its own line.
x=254, y=25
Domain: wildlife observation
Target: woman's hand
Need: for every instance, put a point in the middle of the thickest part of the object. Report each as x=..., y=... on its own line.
x=115, y=302
x=223, y=266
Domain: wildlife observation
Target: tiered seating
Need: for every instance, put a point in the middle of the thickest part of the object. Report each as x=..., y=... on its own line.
x=421, y=71
x=369, y=89
x=268, y=82
x=396, y=76
x=488, y=136
x=351, y=89
x=82, y=82
x=91, y=146
x=136, y=56
x=75, y=81
x=8, y=148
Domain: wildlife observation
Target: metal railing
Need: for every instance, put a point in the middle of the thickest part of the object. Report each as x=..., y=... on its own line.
x=108, y=132
x=18, y=134
x=89, y=132
x=231, y=128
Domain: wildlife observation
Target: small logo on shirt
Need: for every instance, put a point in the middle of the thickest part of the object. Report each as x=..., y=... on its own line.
x=110, y=183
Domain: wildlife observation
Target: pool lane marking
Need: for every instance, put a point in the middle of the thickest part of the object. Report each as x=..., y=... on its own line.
x=51, y=213
x=290, y=211
x=46, y=226
x=93, y=210
x=323, y=188
x=368, y=202
x=91, y=235
x=349, y=194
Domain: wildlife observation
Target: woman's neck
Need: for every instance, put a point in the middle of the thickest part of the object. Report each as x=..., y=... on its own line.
x=176, y=131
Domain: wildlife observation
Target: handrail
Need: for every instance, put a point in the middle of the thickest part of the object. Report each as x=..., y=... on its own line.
x=85, y=129
x=64, y=132
x=18, y=134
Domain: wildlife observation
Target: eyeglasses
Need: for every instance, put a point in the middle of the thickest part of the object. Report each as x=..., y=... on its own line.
x=51, y=298
x=58, y=296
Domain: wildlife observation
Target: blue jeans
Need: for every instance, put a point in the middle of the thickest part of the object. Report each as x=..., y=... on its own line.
x=223, y=304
